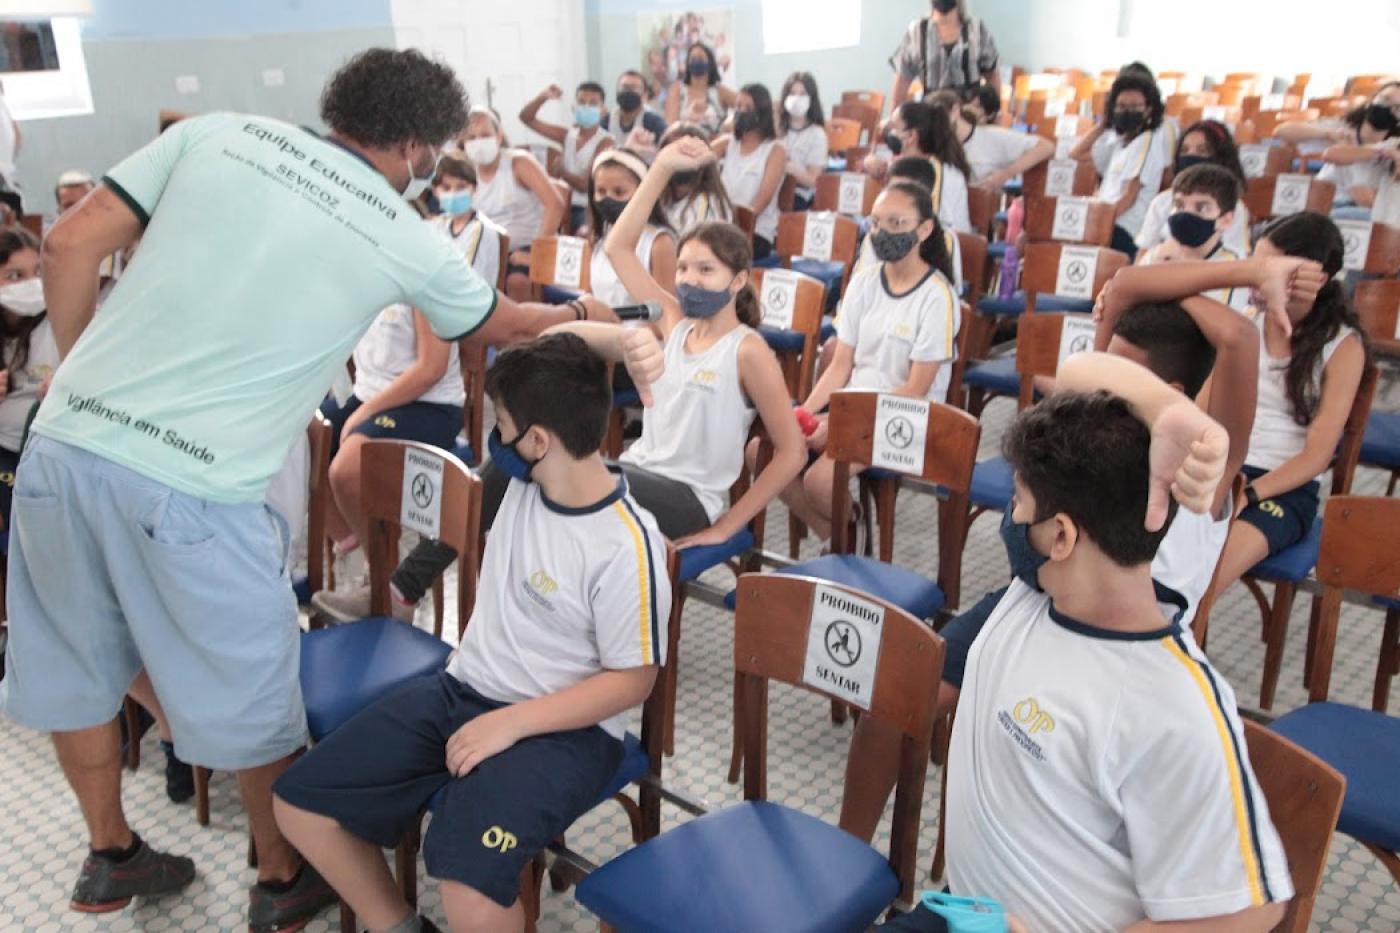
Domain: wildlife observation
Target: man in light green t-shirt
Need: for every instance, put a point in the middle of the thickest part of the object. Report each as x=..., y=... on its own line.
x=139, y=536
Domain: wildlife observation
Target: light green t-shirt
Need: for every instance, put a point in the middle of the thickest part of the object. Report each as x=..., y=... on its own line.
x=267, y=253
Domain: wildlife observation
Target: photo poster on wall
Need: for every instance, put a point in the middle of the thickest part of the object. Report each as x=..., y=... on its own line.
x=665, y=38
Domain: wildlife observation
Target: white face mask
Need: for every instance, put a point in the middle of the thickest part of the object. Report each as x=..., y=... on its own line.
x=416, y=185
x=24, y=298
x=797, y=104
x=482, y=151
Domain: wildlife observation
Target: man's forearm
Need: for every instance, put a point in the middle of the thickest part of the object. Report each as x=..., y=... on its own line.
x=70, y=294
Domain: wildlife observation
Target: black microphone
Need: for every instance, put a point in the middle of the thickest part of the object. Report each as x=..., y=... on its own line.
x=648, y=311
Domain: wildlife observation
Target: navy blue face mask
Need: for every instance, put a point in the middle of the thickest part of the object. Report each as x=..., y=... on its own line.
x=701, y=303
x=1025, y=560
x=507, y=458
x=1190, y=230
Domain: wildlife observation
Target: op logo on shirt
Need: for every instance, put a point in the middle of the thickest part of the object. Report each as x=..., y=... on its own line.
x=539, y=586
x=1025, y=720
x=704, y=379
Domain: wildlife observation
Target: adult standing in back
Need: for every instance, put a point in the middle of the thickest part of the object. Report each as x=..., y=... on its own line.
x=946, y=49
x=140, y=537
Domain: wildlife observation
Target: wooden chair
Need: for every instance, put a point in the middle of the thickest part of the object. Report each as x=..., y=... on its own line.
x=1177, y=104
x=868, y=117
x=792, y=305
x=1255, y=104
x=560, y=268
x=1054, y=103
x=1301, y=193
x=787, y=194
x=445, y=505
x=1230, y=116
x=982, y=209
x=1070, y=177
x=854, y=185
x=1262, y=159
x=1381, y=256
x=1267, y=122
x=1069, y=220
x=827, y=253
x=1360, y=551
x=744, y=219
x=1377, y=303
x=1065, y=125
x=855, y=157
x=1288, y=568
x=873, y=99
x=842, y=134
x=1305, y=795
x=747, y=866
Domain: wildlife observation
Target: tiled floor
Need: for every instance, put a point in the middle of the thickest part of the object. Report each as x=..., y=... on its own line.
x=43, y=836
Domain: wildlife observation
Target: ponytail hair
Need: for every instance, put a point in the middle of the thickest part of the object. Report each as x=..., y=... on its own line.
x=1309, y=235
x=933, y=250
x=731, y=247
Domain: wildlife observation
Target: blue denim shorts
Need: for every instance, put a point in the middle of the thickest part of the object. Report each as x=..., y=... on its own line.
x=111, y=571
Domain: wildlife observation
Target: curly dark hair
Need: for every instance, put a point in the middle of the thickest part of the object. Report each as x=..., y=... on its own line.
x=1136, y=81
x=383, y=97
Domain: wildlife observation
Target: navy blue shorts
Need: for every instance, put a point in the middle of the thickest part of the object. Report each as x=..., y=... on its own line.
x=427, y=422
x=377, y=773
x=961, y=632
x=1285, y=519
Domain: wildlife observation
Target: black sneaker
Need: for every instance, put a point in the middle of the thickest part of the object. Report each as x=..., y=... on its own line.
x=283, y=911
x=179, y=777
x=105, y=885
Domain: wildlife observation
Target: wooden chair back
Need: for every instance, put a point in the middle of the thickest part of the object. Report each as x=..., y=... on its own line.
x=1255, y=104
x=563, y=268
x=1377, y=303
x=1267, y=122
x=1349, y=447
x=982, y=208
x=1361, y=545
x=803, y=235
x=1061, y=177
x=842, y=133
x=1264, y=159
x=874, y=99
x=744, y=219
x=792, y=301
x=1336, y=106
x=320, y=436
x=1381, y=255
x=1069, y=220
x=787, y=193
x=1043, y=341
x=1367, y=85
x=855, y=157
x=471, y=357
x=1052, y=104
x=1301, y=193
x=1230, y=116
x=1179, y=103
x=1305, y=796
x=858, y=188
x=776, y=617
x=972, y=250
x=1065, y=125
x=406, y=484
x=1088, y=269
x=868, y=117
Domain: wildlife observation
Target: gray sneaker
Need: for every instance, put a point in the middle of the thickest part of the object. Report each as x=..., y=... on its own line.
x=274, y=912
x=104, y=885
x=353, y=604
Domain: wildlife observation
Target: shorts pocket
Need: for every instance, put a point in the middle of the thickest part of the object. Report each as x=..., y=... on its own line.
x=178, y=524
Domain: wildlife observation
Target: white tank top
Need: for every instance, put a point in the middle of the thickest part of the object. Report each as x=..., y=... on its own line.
x=743, y=176
x=691, y=210
x=696, y=428
x=389, y=347
x=579, y=160
x=1276, y=437
x=510, y=203
x=603, y=281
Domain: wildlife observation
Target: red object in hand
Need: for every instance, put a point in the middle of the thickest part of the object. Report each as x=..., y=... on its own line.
x=806, y=421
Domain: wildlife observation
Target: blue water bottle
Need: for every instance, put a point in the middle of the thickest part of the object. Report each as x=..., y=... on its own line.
x=967, y=914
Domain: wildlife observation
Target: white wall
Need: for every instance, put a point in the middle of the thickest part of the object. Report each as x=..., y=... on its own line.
x=1282, y=37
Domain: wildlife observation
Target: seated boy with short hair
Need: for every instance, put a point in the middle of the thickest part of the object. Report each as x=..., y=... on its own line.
x=1204, y=198
x=522, y=732
x=1098, y=776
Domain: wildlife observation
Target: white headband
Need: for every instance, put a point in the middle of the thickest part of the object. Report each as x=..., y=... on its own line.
x=626, y=159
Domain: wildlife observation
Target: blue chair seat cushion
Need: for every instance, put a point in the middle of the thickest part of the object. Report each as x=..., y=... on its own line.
x=626, y=398
x=464, y=452
x=345, y=668
x=995, y=375
x=1294, y=563
x=1364, y=746
x=696, y=560
x=558, y=294
x=914, y=593
x=997, y=249
x=829, y=273
x=771, y=261
x=790, y=341
x=301, y=586
x=1016, y=304
x=1381, y=444
x=633, y=767
x=752, y=866
x=991, y=486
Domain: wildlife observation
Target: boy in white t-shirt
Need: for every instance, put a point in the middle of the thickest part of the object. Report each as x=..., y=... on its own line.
x=1204, y=198
x=1386, y=207
x=523, y=730
x=1098, y=777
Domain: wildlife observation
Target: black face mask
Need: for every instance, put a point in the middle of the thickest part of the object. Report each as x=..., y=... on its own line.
x=893, y=141
x=1382, y=118
x=1128, y=122
x=610, y=208
x=1184, y=162
x=629, y=100
x=945, y=6
x=745, y=121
